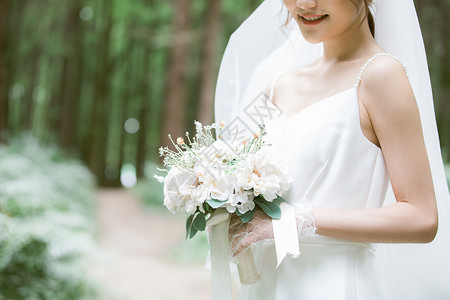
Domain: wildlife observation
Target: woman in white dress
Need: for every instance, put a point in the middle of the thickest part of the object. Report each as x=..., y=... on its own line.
x=350, y=124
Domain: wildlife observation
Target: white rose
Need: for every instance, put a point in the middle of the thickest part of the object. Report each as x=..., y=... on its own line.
x=211, y=170
x=262, y=173
x=183, y=191
x=221, y=187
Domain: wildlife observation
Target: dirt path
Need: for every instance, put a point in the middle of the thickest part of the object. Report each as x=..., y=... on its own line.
x=134, y=243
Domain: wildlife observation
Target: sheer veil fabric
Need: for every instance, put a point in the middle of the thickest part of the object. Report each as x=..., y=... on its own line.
x=262, y=47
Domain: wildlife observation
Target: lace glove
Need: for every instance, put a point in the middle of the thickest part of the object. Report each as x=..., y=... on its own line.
x=306, y=225
x=260, y=228
x=242, y=236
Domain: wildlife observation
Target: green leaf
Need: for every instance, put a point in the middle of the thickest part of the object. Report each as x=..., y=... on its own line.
x=278, y=200
x=199, y=222
x=189, y=225
x=215, y=203
x=272, y=209
x=193, y=232
x=207, y=207
x=247, y=216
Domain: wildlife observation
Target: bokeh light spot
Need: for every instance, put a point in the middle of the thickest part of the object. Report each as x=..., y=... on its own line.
x=86, y=13
x=17, y=90
x=128, y=176
x=131, y=125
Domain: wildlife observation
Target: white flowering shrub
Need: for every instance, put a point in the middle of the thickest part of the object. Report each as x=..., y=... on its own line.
x=46, y=224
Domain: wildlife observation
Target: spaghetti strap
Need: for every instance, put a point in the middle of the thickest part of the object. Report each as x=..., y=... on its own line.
x=272, y=88
x=363, y=68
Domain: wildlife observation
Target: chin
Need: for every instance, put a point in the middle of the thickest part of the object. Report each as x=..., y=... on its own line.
x=313, y=39
x=310, y=37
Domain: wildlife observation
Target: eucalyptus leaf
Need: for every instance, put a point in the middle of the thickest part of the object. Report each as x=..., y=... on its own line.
x=247, y=216
x=189, y=225
x=199, y=222
x=216, y=203
x=278, y=200
x=207, y=207
x=272, y=209
x=193, y=232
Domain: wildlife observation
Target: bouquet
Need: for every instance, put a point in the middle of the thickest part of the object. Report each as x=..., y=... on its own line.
x=209, y=177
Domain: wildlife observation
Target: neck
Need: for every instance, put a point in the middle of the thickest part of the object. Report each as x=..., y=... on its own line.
x=352, y=44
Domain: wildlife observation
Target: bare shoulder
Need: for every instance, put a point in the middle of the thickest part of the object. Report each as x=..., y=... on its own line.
x=385, y=85
x=293, y=80
x=279, y=82
x=289, y=79
x=388, y=98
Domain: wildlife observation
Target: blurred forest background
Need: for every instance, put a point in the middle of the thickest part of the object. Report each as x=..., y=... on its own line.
x=108, y=79
x=94, y=87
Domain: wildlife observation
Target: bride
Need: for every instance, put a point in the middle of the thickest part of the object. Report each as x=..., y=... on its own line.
x=356, y=131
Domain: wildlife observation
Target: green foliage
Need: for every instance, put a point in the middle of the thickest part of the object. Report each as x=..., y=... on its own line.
x=272, y=209
x=46, y=225
x=195, y=223
x=216, y=203
x=247, y=216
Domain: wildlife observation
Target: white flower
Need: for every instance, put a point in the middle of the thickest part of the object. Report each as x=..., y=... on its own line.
x=222, y=150
x=211, y=169
x=262, y=173
x=180, y=141
x=241, y=200
x=220, y=187
x=183, y=192
x=246, y=206
x=159, y=178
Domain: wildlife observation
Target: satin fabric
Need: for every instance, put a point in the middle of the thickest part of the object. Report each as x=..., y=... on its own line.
x=262, y=47
x=332, y=165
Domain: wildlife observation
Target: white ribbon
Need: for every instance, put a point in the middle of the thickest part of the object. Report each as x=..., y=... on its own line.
x=285, y=233
x=286, y=243
x=219, y=247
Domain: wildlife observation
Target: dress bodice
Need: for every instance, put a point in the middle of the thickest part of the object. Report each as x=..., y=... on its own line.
x=332, y=165
x=331, y=162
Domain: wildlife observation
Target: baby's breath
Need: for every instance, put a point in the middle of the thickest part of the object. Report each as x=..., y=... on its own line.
x=187, y=152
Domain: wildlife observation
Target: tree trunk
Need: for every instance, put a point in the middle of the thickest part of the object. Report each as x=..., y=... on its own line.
x=71, y=79
x=4, y=88
x=209, y=62
x=27, y=114
x=97, y=135
x=145, y=105
x=176, y=84
x=126, y=95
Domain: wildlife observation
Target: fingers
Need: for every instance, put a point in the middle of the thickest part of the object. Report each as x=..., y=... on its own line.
x=242, y=236
x=243, y=242
x=235, y=222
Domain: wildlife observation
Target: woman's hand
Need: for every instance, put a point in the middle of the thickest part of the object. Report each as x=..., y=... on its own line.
x=242, y=236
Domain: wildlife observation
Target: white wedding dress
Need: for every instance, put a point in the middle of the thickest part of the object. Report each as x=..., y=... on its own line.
x=332, y=165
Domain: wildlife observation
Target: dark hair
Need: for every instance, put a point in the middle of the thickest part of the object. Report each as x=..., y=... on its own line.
x=369, y=17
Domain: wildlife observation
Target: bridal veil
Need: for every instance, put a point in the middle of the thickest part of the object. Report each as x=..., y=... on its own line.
x=263, y=47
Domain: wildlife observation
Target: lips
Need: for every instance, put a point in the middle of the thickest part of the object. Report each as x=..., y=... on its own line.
x=312, y=19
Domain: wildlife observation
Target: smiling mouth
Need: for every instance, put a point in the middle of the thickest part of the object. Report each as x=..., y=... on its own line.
x=312, y=19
